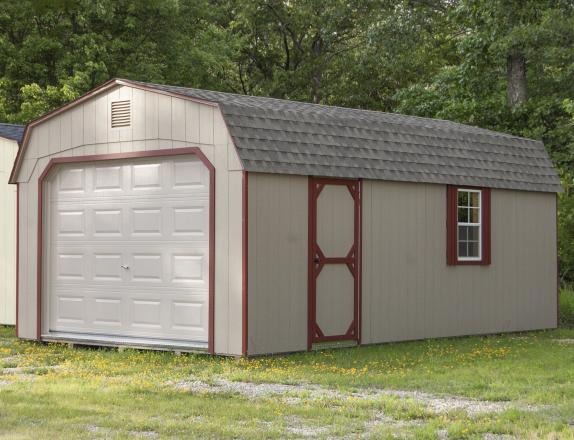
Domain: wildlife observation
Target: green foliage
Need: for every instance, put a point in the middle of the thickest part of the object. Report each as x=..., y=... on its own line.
x=437, y=58
x=567, y=307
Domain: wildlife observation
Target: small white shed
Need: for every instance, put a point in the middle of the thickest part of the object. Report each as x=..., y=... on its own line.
x=10, y=136
x=159, y=216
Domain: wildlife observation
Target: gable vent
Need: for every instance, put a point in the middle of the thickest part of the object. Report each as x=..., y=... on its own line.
x=121, y=114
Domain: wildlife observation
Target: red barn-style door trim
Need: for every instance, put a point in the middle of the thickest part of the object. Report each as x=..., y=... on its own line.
x=317, y=260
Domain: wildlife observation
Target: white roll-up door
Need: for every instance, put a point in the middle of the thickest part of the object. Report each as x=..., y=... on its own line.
x=127, y=249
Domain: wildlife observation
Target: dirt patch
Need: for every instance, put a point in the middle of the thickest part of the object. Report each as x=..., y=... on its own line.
x=144, y=434
x=12, y=359
x=293, y=394
x=492, y=436
x=382, y=419
x=564, y=341
x=17, y=371
x=296, y=426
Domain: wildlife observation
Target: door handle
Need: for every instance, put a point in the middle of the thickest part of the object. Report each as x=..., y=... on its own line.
x=124, y=267
x=316, y=259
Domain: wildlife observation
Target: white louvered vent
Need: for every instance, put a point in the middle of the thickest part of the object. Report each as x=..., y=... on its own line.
x=121, y=114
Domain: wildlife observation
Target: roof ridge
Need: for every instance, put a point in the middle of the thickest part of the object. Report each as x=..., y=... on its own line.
x=462, y=127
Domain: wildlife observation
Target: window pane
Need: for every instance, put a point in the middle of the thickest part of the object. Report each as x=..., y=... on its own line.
x=463, y=198
x=462, y=252
x=463, y=215
x=473, y=233
x=474, y=215
x=475, y=199
x=463, y=233
x=473, y=249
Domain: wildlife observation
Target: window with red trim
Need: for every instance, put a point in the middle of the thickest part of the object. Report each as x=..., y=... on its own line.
x=468, y=225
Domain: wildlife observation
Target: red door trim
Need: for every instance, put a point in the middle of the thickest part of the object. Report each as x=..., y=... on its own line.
x=352, y=260
x=119, y=156
x=245, y=255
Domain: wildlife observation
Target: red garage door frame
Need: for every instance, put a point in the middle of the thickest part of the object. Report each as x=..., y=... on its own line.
x=133, y=155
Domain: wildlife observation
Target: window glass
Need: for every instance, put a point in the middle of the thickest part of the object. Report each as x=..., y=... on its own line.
x=469, y=224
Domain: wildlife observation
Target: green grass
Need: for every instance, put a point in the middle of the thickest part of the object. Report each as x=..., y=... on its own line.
x=567, y=307
x=101, y=393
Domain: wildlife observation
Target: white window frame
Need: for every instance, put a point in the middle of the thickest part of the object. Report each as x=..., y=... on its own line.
x=479, y=224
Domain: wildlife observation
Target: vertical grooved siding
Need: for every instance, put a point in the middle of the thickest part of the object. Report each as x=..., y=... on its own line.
x=410, y=293
x=277, y=263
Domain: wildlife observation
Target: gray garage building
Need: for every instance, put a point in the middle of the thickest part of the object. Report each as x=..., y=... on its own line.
x=169, y=217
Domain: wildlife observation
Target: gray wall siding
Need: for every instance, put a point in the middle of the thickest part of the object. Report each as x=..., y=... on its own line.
x=277, y=263
x=408, y=290
x=158, y=122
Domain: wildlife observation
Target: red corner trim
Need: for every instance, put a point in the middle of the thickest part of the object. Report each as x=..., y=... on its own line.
x=486, y=227
x=311, y=264
x=245, y=256
x=118, y=156
x=452, y=223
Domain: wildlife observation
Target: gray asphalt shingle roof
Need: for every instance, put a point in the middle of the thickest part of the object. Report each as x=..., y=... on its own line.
x=288, y=137
x=12, y=131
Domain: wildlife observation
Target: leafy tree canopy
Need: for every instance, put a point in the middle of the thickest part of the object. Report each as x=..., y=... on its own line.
x=507, y=65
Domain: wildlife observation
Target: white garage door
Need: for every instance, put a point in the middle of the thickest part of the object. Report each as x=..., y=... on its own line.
x=127, y=247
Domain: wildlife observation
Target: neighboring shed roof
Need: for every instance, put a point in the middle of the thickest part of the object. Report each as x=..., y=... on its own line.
x=288, y=137
x=12, y=131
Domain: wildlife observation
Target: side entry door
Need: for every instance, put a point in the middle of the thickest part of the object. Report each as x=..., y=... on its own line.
x=334, y=259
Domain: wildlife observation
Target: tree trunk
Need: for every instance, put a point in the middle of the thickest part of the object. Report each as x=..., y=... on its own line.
x=516, y=92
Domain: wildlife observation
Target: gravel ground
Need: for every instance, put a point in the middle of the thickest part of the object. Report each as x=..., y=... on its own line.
x=296, y=393
x=564, y=341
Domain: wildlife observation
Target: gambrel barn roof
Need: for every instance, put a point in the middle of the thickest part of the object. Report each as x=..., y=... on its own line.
x=288, y=137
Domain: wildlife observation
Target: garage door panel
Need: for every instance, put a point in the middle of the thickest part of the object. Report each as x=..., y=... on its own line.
x=150, y=177
x=71, y=266
x=176, y=316
x=71, y=223
x=145, y=313
x=108, y=178
x=189, y=315
x=147, y=221
x=147, y=267
x=107, y=267
x=147, y=177
x=133, y=265
x=106, y=222
x=71, y=180
x=191, y=222
x=189, y=175
x=129, y=249
x=174, y=219
x=70, y=309
x=107, y=312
